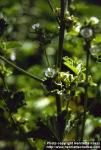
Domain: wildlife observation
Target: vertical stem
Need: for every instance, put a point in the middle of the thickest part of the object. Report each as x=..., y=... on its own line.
x=60, y=49
x=61, y=35
x=59, y=60
x=47, y=58
x=58, y=104
x=5, y=84
x=86, y=90
x=69, y=3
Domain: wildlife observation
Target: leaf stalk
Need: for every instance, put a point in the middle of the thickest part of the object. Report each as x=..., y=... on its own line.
x=20, y=69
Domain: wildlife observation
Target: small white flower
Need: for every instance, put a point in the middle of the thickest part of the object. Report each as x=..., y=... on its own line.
x=13, y=56
x=50, y=72
x=42, y=103
x=94, y=20
x=34, y=26
x=86, y=32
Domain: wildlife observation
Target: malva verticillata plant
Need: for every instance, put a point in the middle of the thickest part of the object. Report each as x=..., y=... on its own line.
x=66, y=84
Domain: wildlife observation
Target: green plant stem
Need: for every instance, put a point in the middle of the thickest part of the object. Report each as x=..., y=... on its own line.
x=86, y=91
x=51, y=5
x=5, y=84
x=15, y=124
x=68, y=6
x=20, y=69
x=61, y=36
x=59, y=60
x=53, y=10
x=60, y=49
x=58, y=104
x=47, y=58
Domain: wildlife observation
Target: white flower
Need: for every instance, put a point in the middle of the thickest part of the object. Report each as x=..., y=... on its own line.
x=94, y=20
x=13, y=56
x=34, y=26
x=42, y=103
x=50, y=72
x=86, y=33
x=78, y=27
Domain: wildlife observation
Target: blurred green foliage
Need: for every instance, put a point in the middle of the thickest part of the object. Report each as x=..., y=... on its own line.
x=25, y=47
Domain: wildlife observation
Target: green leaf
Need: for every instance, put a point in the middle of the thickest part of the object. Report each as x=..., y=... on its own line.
x=69, y=65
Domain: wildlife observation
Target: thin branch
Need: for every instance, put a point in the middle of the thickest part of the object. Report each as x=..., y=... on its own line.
x=58, y=104
x=60, y=50
x=51, y=5
x=20, y=69
x=47, y=58
x=66, y=5
x=5, y=84
x=59, y=61
x=86, y=90
x=53, y=10
x=61, y=35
